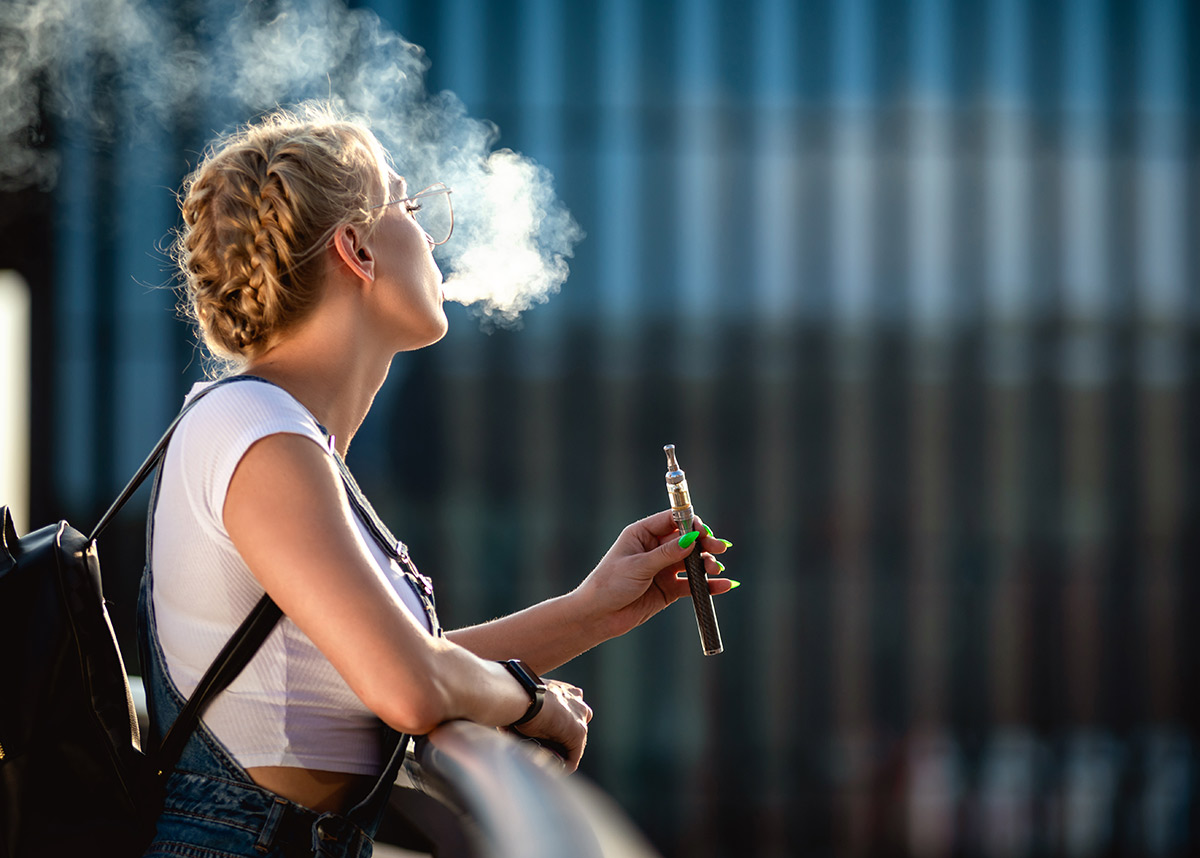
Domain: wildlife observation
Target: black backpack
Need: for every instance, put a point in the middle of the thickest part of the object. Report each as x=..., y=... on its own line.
x=74, y=779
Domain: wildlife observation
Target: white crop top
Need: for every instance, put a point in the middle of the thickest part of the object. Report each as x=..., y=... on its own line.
x=289, y=707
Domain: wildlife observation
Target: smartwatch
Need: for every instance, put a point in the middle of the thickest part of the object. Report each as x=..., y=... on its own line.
x=533, y=685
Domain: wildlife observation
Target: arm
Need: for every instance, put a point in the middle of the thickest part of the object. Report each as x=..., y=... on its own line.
x=632, y=582
x=286, y=515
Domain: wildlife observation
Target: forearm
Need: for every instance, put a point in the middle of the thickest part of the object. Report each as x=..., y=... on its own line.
x=636, y=579
x=444, y=682
x=545, y=635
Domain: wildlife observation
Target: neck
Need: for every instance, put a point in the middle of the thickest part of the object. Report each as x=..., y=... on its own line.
x=330, y=366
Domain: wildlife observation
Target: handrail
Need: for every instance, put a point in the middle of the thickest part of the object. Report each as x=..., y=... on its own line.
x=507, y=798
x=515, y=799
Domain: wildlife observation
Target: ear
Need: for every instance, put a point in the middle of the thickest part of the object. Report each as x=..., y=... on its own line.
x=354, y=252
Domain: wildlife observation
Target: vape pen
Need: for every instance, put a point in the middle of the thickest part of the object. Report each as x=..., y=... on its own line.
x=682, y=512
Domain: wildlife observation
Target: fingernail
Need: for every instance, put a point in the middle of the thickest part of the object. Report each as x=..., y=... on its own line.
x=735, y=584
x=727, y=543
x=707, y=529
x=687, y=539
x=720, y=565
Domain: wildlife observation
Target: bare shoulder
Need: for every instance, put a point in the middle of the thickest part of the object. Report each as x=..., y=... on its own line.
x=281, y=472
x=286, y=514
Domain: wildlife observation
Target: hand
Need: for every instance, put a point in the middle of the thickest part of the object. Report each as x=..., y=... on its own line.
x=563, y=721
x=637, y=578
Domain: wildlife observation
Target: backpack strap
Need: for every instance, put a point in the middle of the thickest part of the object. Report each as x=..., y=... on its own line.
x=240, y=648
x=233, y=657
x=8, y=539
x=153, y=459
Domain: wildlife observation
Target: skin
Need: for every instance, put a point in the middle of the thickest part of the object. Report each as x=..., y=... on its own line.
x=285, y=514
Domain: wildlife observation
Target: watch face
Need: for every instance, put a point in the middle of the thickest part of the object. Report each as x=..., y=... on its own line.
x=529, y=674
x=526, y=676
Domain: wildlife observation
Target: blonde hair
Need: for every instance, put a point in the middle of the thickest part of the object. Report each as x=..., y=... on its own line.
x=257, y=212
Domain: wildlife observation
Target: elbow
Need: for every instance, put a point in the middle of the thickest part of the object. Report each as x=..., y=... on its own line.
x=415, y=707
x=420, y=717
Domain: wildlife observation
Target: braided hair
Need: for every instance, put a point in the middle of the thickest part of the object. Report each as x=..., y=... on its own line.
x=257, y=212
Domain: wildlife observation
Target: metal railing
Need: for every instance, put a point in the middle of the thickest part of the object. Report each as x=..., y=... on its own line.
x=468, y=791
x=482, y=793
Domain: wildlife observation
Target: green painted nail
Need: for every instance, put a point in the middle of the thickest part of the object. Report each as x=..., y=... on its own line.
x=687, y=539
x=727, y=543
x=707, y=529
x=720, y=565
x=735, y=584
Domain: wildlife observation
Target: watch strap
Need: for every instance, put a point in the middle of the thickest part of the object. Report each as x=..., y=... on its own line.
x=533, y=685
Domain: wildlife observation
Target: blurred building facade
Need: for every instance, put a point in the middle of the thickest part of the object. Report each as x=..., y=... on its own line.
x=912, y=287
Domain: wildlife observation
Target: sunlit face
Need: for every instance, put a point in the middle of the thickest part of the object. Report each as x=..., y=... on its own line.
x=411, y=297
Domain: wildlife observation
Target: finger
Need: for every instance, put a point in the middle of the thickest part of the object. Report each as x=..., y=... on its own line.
x=574, y=702
x=708, y=541
x=720, y=586
x=660, y=524
x=669, y=553
x=650, y=531
x=712, y=566
x=653, y=530
x=679, y=586
x=579, y=707
x=576, y=753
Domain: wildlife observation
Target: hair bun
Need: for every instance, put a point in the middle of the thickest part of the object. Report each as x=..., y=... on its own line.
x=258, y=210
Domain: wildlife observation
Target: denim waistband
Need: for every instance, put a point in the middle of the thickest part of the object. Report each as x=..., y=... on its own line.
x=202, y=810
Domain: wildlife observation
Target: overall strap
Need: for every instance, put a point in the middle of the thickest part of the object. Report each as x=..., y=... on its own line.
x=421, y=585
x=368, y=813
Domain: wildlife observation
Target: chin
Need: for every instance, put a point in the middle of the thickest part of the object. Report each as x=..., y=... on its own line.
x=427, y=338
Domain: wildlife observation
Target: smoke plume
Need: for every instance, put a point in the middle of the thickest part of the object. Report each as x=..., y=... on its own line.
x=122, y=67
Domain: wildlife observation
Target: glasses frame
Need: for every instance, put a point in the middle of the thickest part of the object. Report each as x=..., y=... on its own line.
x=432, y=190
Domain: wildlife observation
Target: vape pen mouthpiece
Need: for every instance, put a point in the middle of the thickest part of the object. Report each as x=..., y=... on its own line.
x=675, y=475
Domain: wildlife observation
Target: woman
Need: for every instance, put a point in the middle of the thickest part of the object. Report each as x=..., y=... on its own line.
x=307, y=270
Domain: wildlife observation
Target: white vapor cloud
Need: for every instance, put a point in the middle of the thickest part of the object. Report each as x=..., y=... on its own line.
x=109, y=65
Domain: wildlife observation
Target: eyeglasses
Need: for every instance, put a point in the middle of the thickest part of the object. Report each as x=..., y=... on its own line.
x=432, y=209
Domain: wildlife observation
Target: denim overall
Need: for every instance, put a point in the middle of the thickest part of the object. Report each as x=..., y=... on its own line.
x=212, y=809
